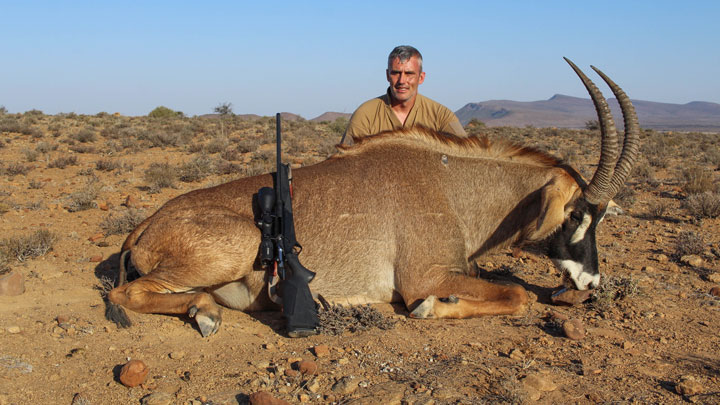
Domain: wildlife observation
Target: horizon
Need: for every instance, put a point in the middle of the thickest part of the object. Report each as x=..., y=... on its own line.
x=322, y=57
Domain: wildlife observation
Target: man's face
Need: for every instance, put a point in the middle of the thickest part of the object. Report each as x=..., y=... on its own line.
x=404, y=78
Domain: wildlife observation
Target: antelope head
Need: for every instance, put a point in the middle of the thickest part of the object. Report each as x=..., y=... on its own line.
x=572, y=247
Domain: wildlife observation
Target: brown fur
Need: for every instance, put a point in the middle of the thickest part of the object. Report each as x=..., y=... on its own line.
x=383, y=220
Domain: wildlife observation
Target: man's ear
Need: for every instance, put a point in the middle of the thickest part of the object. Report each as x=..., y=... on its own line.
x=422, y=78
x=387, y=75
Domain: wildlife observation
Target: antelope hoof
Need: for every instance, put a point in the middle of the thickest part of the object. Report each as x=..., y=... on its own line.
x=207, y=322
x=425, y=309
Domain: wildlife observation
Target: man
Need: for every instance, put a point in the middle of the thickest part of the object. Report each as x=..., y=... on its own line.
x=401, y=106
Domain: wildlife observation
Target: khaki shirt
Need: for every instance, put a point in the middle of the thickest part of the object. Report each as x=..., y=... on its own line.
x=376, y=115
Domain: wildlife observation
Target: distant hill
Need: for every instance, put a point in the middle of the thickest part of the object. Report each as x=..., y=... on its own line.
x=573, y=112
x=331, y=116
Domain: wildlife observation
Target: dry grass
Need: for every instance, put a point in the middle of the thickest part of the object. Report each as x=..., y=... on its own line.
x=338, y=319
x=613, y=289
x=159, y=176
x=63, y=162
x=696, y=180
x=122, y=224
x=703, y=205
x=689, y=243
x=22, y=248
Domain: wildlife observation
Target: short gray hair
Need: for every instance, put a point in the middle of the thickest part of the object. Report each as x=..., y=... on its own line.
x=404, y=52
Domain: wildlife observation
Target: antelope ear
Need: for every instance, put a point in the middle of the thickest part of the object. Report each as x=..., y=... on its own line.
x=554, y=196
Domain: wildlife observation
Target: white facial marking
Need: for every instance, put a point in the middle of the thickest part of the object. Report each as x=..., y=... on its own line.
x=580, y=231
x=581, y=279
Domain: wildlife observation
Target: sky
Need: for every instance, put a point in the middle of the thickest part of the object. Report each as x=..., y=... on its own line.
x=310, y=57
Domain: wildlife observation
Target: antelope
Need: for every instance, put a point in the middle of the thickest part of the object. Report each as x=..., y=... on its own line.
x=396, y=217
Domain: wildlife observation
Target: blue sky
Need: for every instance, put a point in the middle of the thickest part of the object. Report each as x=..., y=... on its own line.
x=316, y=56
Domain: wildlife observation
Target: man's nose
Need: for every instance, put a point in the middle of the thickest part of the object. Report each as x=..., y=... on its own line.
x=402, y=78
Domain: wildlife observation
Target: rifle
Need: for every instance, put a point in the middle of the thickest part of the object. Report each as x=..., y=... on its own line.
x=288, y=284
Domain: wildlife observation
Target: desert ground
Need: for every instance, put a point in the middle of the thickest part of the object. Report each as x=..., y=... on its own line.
x=74, y=185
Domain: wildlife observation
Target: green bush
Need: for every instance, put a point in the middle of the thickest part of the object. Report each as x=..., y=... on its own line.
x=164, y=112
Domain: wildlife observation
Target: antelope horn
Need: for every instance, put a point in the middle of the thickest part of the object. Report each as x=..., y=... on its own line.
x=631, y=144
x=597, y=191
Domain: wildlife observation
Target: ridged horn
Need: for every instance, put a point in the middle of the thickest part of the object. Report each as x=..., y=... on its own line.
x=599, y=187
x=631, y=144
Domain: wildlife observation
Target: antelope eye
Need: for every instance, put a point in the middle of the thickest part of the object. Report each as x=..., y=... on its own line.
x=576, y=216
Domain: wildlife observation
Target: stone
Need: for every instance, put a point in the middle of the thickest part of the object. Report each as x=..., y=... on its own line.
x=80, y=399
x=689, y=386
x=715, y=291
x=291, y=373
x=574, y=329
x=345, y=386
x=313, y=386
x=131, y=202
x=103, y=205
x=308, y=367
x=264, y=398
x=177, y=355
x=570, y=297
x=321, y=351
x=714, y=277
x=660, y=258
x=96, y=237
x=12, y=283
x=391, y=393
x=96, y=259
x=157, y=398
x=133, y=373
x=14, y=329
x=539, y=382
x=692, y=260
x=516, y=354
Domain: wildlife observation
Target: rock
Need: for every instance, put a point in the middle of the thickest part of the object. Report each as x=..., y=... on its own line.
x=14, y=329
x=714, y=277
x=177, y=355
x=689, y=386
x=96, y=237
x=79, y=399
x=321, y=351
x=104, y=206
x=133, y=373
x=12, y=283
x=570, y=297
x=131, y=202
x=539, y=382
x=516, y=354
x=574, y=329
x=391, y=393
x=345, y=386
x=715, y=291
x=308, y=367
x=157, y=398
x=313, y=386
x=649, y=269
x=692, y=260
x=264, y=398
x=96, y=259
x=660, y=258
x=291, y=373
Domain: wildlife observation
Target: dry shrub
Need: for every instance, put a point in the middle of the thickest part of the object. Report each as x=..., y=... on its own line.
x=697, y=180
x=159, y=176
x=63, y=162
x=83, y=148
x=34, y=245
x=125, y=223
x=217, y=144
x=689, y=243
x=613, y=289
x=84, y=199
x=15, y=169
x=625, y=197
x=197, y=169
x=31, y=155
x=107, y=165
x=246, y=145
x=643, y=173
x=703, y=205
x=85, y=135
x=336, y=319
x=657, y=209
